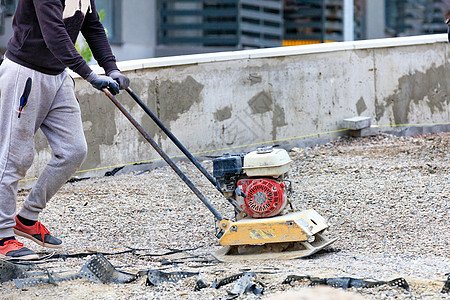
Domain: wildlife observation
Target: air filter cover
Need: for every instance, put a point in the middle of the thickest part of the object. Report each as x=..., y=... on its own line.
x=266, y=162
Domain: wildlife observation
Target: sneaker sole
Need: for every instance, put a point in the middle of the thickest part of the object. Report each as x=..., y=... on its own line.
x=25, y=257
x=47, y=245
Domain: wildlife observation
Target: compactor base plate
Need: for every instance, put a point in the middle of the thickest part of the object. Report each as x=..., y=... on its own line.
x=294, y=235
x=287, y=250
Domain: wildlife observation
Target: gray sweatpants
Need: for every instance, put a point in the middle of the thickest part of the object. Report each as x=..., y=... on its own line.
x=52, y=107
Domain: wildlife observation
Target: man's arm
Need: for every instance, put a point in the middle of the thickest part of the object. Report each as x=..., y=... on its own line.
x=95, y=35
x=49, y=14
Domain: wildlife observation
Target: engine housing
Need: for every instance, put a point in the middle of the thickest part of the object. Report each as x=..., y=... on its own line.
x=265, y=197
x=256, y=180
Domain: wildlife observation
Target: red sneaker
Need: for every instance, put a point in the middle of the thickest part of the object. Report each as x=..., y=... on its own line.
x=38, y=233
x=13, y=249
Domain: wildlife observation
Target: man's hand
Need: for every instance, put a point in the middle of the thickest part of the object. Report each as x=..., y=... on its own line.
x=124, y=81
x=100, y=82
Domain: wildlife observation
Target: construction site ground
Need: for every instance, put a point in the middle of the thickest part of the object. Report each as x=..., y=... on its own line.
x=386, y=198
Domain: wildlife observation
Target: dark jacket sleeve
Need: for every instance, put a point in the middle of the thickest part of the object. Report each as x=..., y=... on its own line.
x=95, y=35
x=49, y=14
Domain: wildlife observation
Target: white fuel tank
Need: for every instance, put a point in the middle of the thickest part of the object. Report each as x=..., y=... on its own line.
x=267, y=161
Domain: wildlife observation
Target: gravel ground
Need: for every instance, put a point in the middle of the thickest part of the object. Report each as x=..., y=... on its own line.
x=386, y=198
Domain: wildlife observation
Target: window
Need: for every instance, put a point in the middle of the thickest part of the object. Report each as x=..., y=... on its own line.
x=111, y=16
x=7, y=8
x=10, y=7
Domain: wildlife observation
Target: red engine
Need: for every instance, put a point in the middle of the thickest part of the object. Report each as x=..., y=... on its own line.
x=264, y=197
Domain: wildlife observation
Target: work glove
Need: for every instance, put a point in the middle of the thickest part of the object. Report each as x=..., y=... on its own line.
x=124, y=81
x=100, y=82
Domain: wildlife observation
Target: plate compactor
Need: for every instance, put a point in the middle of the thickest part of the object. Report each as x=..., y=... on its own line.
x=256, y=186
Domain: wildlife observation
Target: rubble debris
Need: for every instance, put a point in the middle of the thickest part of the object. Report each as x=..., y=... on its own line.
x=100, y=270
x=244, y=285
x=293, y=278
x=77, y=179
x=226, y=280
x=43, y=259
x=155, y=277
x=25, y=276
x=114, y=171
x=50, y=278
x=200, y=284
x=64, y=256
x=446, y=288
x=132, y=251
x=10, y=271
x=347, y=282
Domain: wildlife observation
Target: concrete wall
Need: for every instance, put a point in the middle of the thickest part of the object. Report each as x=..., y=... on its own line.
x=290, y=96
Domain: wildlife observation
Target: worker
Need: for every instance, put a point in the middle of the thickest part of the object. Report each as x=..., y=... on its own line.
x=36, y=91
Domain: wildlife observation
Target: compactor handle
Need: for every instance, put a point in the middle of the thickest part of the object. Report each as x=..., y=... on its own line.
x=158, y=149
